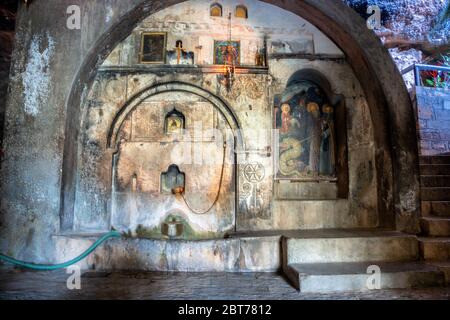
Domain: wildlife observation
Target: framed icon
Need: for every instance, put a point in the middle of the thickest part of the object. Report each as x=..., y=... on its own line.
x=153, y=48
x=227, y=52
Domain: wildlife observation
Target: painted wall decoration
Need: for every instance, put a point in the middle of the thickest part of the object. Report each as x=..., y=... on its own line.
x=227, y=52
x=247, y=86
x=252, y=200
x=153, y=47
x=305, y=133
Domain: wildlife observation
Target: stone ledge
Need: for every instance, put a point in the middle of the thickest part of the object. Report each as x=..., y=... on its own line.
x=194, y=69
x=246, y=254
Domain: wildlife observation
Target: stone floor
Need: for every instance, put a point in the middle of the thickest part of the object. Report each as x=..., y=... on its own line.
x=17, y=284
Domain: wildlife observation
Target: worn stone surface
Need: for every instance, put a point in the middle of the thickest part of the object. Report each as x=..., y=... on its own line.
x=333, y=277
x=435, y=249
x=241, y=254
x=15, y=284
x=435, y=226
x=351, y=249
x=433, y=106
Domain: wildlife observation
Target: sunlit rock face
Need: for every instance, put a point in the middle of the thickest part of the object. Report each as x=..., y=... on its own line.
x=407, y=25
x=411, y=19
x=404, y=59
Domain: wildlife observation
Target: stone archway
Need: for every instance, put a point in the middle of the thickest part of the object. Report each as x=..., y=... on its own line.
x=391, y=110
x=144, y=94
x=131, y=201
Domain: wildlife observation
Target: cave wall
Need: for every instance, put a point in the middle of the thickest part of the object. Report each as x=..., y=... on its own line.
x=43, y=132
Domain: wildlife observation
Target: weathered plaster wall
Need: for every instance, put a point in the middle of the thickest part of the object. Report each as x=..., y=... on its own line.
x=34, y=130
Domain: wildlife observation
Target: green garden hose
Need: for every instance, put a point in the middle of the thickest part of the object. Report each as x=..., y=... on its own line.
x=41, y=267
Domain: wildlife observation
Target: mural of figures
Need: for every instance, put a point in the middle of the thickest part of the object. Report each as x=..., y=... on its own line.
x=226, y=52
x=304, y=120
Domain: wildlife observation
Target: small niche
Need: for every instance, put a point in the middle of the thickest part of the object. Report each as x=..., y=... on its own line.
x=174, y=122
x=215, y=10
x=172, y=227
x=172, y=179
x=134, y=183
x=241, y=12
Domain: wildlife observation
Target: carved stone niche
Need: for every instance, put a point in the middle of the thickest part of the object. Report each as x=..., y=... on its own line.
x=174, y=122
x=173, y=179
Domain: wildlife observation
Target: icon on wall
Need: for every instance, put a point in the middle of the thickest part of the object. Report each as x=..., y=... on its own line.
x=153, y=48
x=227, y=52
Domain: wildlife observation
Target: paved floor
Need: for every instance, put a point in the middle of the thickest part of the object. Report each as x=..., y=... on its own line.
x=16, y=284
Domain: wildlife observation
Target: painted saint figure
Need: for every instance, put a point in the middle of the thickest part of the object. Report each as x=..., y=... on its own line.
x=227, y=53
x=327, y=154
x=285, y=118
x=305, y=121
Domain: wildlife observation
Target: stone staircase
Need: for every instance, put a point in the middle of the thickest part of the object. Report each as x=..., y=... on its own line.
x=435, y=222
x=341, y=260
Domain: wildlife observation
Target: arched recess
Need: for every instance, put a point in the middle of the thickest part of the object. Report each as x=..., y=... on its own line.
x=390, y=106
x=233, y=138
x=145, y=93
x=316, y=77
x=338, y=102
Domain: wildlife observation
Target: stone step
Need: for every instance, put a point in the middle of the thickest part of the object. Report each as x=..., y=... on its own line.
x=434, y=169
x=435, y=226
x=435, y=159
x=323, y=214
x=335, y=277
x=445, y=268
x=434, y=181
x=436, y=208
x=356, y=246
x=435, y=194
x=435, y=249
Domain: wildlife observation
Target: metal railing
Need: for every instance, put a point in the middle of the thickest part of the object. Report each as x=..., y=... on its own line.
x=426, y=67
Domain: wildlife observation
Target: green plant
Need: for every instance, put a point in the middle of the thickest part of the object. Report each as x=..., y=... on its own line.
x=438, y=79
x=446, y=59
